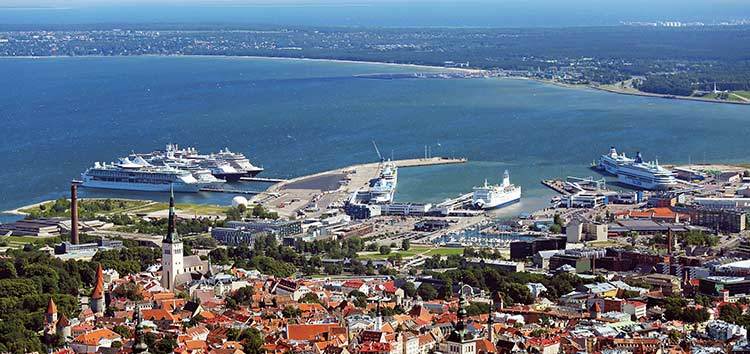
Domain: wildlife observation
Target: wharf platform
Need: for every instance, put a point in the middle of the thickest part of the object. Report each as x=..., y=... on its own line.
x=261, y=179
x=556, y=185
x=233, y=191
x=331, y=188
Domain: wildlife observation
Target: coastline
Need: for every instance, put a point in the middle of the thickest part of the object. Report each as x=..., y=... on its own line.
x=628, y=93
x=416, y=66
x=344, y=61
x=672, y=97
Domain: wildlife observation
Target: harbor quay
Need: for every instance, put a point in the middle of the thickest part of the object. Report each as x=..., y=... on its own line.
x=316, y=193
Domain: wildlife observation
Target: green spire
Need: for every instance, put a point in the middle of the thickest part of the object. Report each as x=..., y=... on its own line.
x=139, y=345
x=172, y=236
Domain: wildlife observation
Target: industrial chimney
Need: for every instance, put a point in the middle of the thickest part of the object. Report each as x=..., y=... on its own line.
x=74, y=213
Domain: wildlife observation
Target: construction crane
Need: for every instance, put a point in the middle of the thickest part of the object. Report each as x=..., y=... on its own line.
x=378, y=151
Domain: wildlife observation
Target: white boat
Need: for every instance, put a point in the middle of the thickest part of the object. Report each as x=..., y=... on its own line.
x=384, y=187
x=646, y=175
x=137, y=176
x=612, y=161
x=492, y=196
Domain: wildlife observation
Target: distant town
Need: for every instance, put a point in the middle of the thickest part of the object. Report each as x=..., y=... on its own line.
x=636, y=58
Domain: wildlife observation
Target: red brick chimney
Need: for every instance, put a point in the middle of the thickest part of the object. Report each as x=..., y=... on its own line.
x=74, y=213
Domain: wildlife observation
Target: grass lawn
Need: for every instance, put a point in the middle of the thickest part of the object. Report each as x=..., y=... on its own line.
x=413, y=251
x=120, y=205
x=729, y=96
x=20, y=241
x=745, y=94
x=199, y=209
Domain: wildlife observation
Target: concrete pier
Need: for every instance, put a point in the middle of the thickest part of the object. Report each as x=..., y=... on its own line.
x=331, y=188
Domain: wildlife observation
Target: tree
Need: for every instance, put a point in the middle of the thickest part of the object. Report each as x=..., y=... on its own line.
x=427, y=292
x=310, y=298
x=446, y=292
x=291, y=312
x=251, y=339
x=405, y=244
x=244, y=295
x=409, y=289
x=385, y=250
x=7, y=270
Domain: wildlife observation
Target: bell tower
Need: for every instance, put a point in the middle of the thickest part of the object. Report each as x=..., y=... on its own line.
x=171, y=256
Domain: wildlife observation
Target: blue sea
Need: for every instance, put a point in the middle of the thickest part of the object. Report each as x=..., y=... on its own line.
x=370, y=13
x=296, y=117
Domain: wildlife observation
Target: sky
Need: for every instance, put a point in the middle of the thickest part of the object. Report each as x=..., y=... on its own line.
x=385, y=13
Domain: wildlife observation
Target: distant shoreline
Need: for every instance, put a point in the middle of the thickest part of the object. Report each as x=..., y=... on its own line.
x=418, y=66
x=347, y=61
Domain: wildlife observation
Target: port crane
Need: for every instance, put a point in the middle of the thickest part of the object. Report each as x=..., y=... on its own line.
x=378, y=151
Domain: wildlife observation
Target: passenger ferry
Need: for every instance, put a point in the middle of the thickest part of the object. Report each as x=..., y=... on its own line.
x=495, y=196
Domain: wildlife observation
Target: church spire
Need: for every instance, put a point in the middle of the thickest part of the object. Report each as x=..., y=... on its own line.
x=172, y=236
x=378, y=318
x=491, y=321
x=139, y=345
x=460, y=334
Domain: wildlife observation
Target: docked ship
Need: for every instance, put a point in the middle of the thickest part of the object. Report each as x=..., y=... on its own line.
x=492, y=196
x=139, y=176
x=384, y=188
x=225, y=165
x=612, y=161
x=646, y=175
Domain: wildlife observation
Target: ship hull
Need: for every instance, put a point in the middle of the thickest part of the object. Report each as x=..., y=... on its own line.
x=501, y=205
x=143, y=187
x=637, y=183
x=229, y=177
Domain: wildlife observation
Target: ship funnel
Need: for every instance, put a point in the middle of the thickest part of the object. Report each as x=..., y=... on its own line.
x=638, y=157
x=506, y=179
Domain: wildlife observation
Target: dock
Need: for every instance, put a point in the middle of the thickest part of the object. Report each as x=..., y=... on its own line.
x=261, y=179
x=556, y=185
x=233, y=191
x=432, y=161
x=290, y=196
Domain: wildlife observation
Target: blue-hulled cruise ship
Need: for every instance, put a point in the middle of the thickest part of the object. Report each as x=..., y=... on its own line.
x=636, y=172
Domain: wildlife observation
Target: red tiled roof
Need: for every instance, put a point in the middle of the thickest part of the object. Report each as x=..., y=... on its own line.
x=51, y=307
x=309, y=331
x=94, y=337
x=98, y=292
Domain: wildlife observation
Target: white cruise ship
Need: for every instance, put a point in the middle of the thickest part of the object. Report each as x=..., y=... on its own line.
x=225, y=164
x=646, y=175
x=384, y=187
x=612, y=161
x=491, y=196
x=139, y=176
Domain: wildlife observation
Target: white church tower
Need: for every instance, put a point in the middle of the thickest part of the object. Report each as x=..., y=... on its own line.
x=171, y=256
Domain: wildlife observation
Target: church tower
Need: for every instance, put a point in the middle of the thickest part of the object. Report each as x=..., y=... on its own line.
x=96, y=301
x=171, y=256
x=460, y=340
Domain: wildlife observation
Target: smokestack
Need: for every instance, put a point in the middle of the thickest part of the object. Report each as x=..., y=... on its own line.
x=74, y=213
